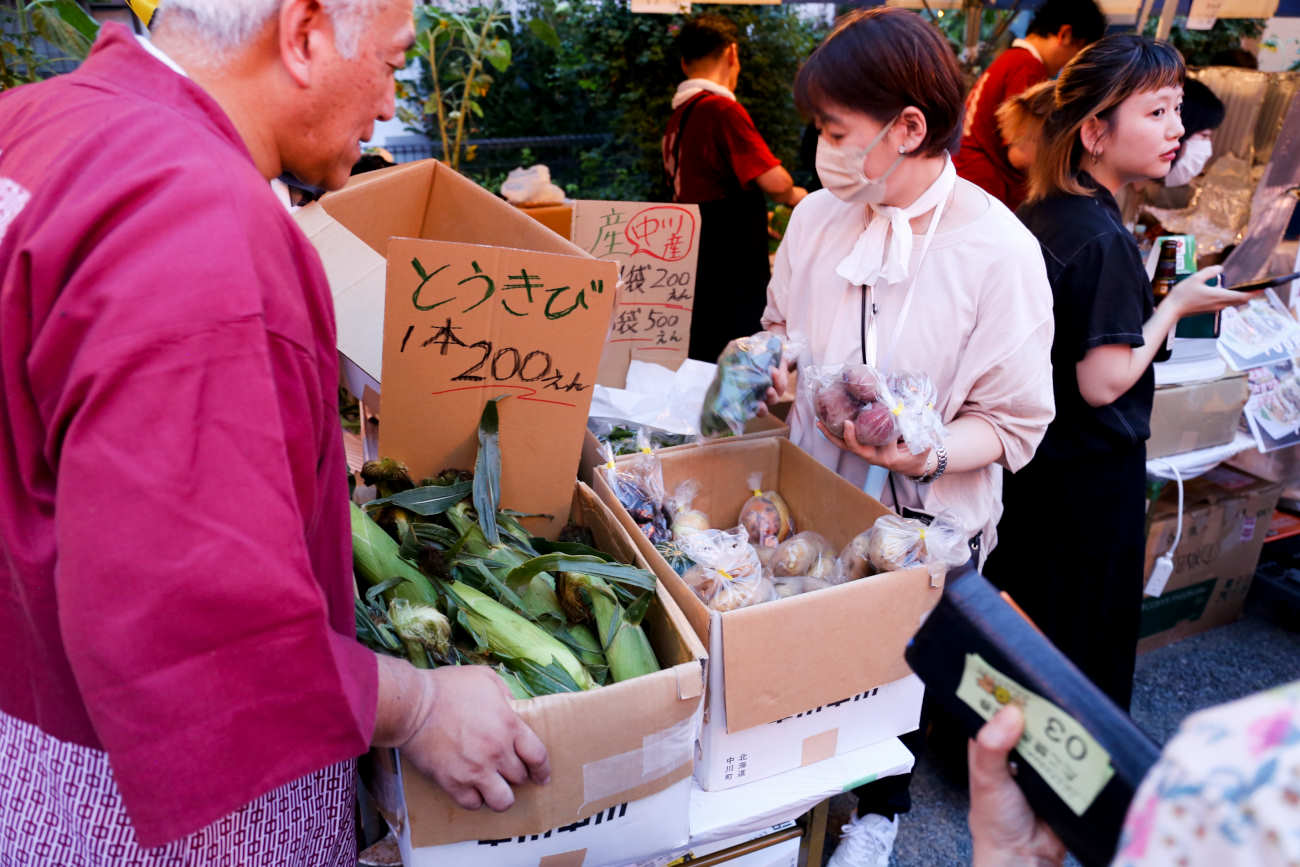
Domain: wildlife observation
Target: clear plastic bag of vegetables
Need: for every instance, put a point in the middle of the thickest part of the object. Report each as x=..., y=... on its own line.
x=916, y=401
x=638, y=482
x=805, y=554
x=740, y=384
x=727, y=574
x=895, y=543
x=685, y=519
x=765, y=515
x=882, y=408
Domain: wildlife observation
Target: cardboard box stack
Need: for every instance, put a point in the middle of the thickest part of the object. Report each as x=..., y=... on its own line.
x=798, y=680
x=1199, y=415
x=477, y=300
x=1225, y=521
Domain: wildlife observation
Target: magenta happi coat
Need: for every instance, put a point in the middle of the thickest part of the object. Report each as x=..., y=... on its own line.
x=175, y=585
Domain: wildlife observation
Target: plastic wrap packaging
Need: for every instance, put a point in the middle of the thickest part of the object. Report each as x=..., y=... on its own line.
x=531, y=186
x=740, y=384
x=882, y=409
x=686, y=520
x=854, y=561
x=765, y=515
x=901, y=543
x=639, y=485
x=624, y=436
x=727, y=573
x=805, y=554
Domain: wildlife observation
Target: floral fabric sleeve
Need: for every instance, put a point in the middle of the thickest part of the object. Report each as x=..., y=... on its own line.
x=1226, y=790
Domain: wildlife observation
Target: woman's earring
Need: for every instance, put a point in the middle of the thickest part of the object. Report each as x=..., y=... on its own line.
x=902, y=149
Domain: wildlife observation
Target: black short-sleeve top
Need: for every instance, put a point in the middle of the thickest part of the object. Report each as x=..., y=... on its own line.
x=1101, y=296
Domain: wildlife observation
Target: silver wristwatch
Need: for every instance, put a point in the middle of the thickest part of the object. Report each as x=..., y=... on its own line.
x=939, y=469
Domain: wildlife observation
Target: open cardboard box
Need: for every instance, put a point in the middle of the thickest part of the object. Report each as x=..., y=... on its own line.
x=449, y=296
x=815, y=654
x=757, y=428
x=609, y=746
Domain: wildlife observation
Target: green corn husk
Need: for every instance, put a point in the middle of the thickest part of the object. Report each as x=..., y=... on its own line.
x=627, y=650
x=511, y=637
x=537, y=598
x=513, y=683
x=375, y=558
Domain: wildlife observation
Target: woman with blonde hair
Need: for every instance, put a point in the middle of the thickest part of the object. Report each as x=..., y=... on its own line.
x=1072, y=533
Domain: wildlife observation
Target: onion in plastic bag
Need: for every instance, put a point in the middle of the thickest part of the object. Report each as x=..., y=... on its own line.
x=765, y=515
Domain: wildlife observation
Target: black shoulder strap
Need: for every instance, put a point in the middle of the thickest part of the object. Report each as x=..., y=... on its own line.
x=677, y=142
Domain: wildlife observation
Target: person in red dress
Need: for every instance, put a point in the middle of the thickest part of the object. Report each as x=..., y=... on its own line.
x=182, y=683
x=1059, y=30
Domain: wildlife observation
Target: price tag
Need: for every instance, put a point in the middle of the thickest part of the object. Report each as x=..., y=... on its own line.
x=1054, y=744
x=656, y=247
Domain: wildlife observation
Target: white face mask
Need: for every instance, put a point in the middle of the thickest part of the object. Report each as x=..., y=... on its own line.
x=840, y=171
x=1196, y=153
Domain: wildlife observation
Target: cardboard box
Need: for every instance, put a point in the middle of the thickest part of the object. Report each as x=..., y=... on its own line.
x=557, y=218
x=758, y=428
x=1226, y=519
x=781, y=658
x=625, y=831
x=1185, y=418
x=608, y=747
x=449, y=296
x=1282, y=465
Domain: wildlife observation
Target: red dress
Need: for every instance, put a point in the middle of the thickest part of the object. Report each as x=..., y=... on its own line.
x=175, y=585
x=983, y=156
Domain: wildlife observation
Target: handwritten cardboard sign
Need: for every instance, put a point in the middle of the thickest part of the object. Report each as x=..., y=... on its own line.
x=465, y=323
x=656, y=247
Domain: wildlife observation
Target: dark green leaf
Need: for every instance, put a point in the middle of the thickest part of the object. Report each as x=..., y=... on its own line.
x=435, y=534
x=636, y=612
x=493, y=586
x=542, y=679
x=374, y=593
x=543, y=30
x=546, y=546
x=428, y=501
x=631, y=576
x=487, y=472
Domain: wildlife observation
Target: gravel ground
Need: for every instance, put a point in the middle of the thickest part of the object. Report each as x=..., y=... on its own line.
x=1207, y=669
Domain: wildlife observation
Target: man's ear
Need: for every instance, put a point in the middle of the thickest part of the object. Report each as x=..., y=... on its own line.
x=303, y=26
x=1066, y=34
x=733, y=54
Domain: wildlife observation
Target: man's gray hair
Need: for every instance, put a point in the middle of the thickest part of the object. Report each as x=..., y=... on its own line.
x=226, y=25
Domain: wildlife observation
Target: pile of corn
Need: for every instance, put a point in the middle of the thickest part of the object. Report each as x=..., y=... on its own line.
x=447, y=583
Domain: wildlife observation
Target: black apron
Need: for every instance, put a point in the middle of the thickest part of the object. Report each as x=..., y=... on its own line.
x=733, y=269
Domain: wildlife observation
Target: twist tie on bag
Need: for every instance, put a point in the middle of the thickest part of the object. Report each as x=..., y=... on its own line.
x=725, y=574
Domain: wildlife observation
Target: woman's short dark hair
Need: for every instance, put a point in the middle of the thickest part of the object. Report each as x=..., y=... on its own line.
x=878, y=62
x=705, y=36
x=1093, y=84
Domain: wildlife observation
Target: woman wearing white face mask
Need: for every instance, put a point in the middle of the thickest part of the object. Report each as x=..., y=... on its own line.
x=899, y=263
x=1202, y=113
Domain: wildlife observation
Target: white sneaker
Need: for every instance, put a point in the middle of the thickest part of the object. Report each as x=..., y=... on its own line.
x=865, y=842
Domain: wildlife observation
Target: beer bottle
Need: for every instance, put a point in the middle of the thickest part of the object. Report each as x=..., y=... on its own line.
x=1161, y=284
x=1166, y=270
